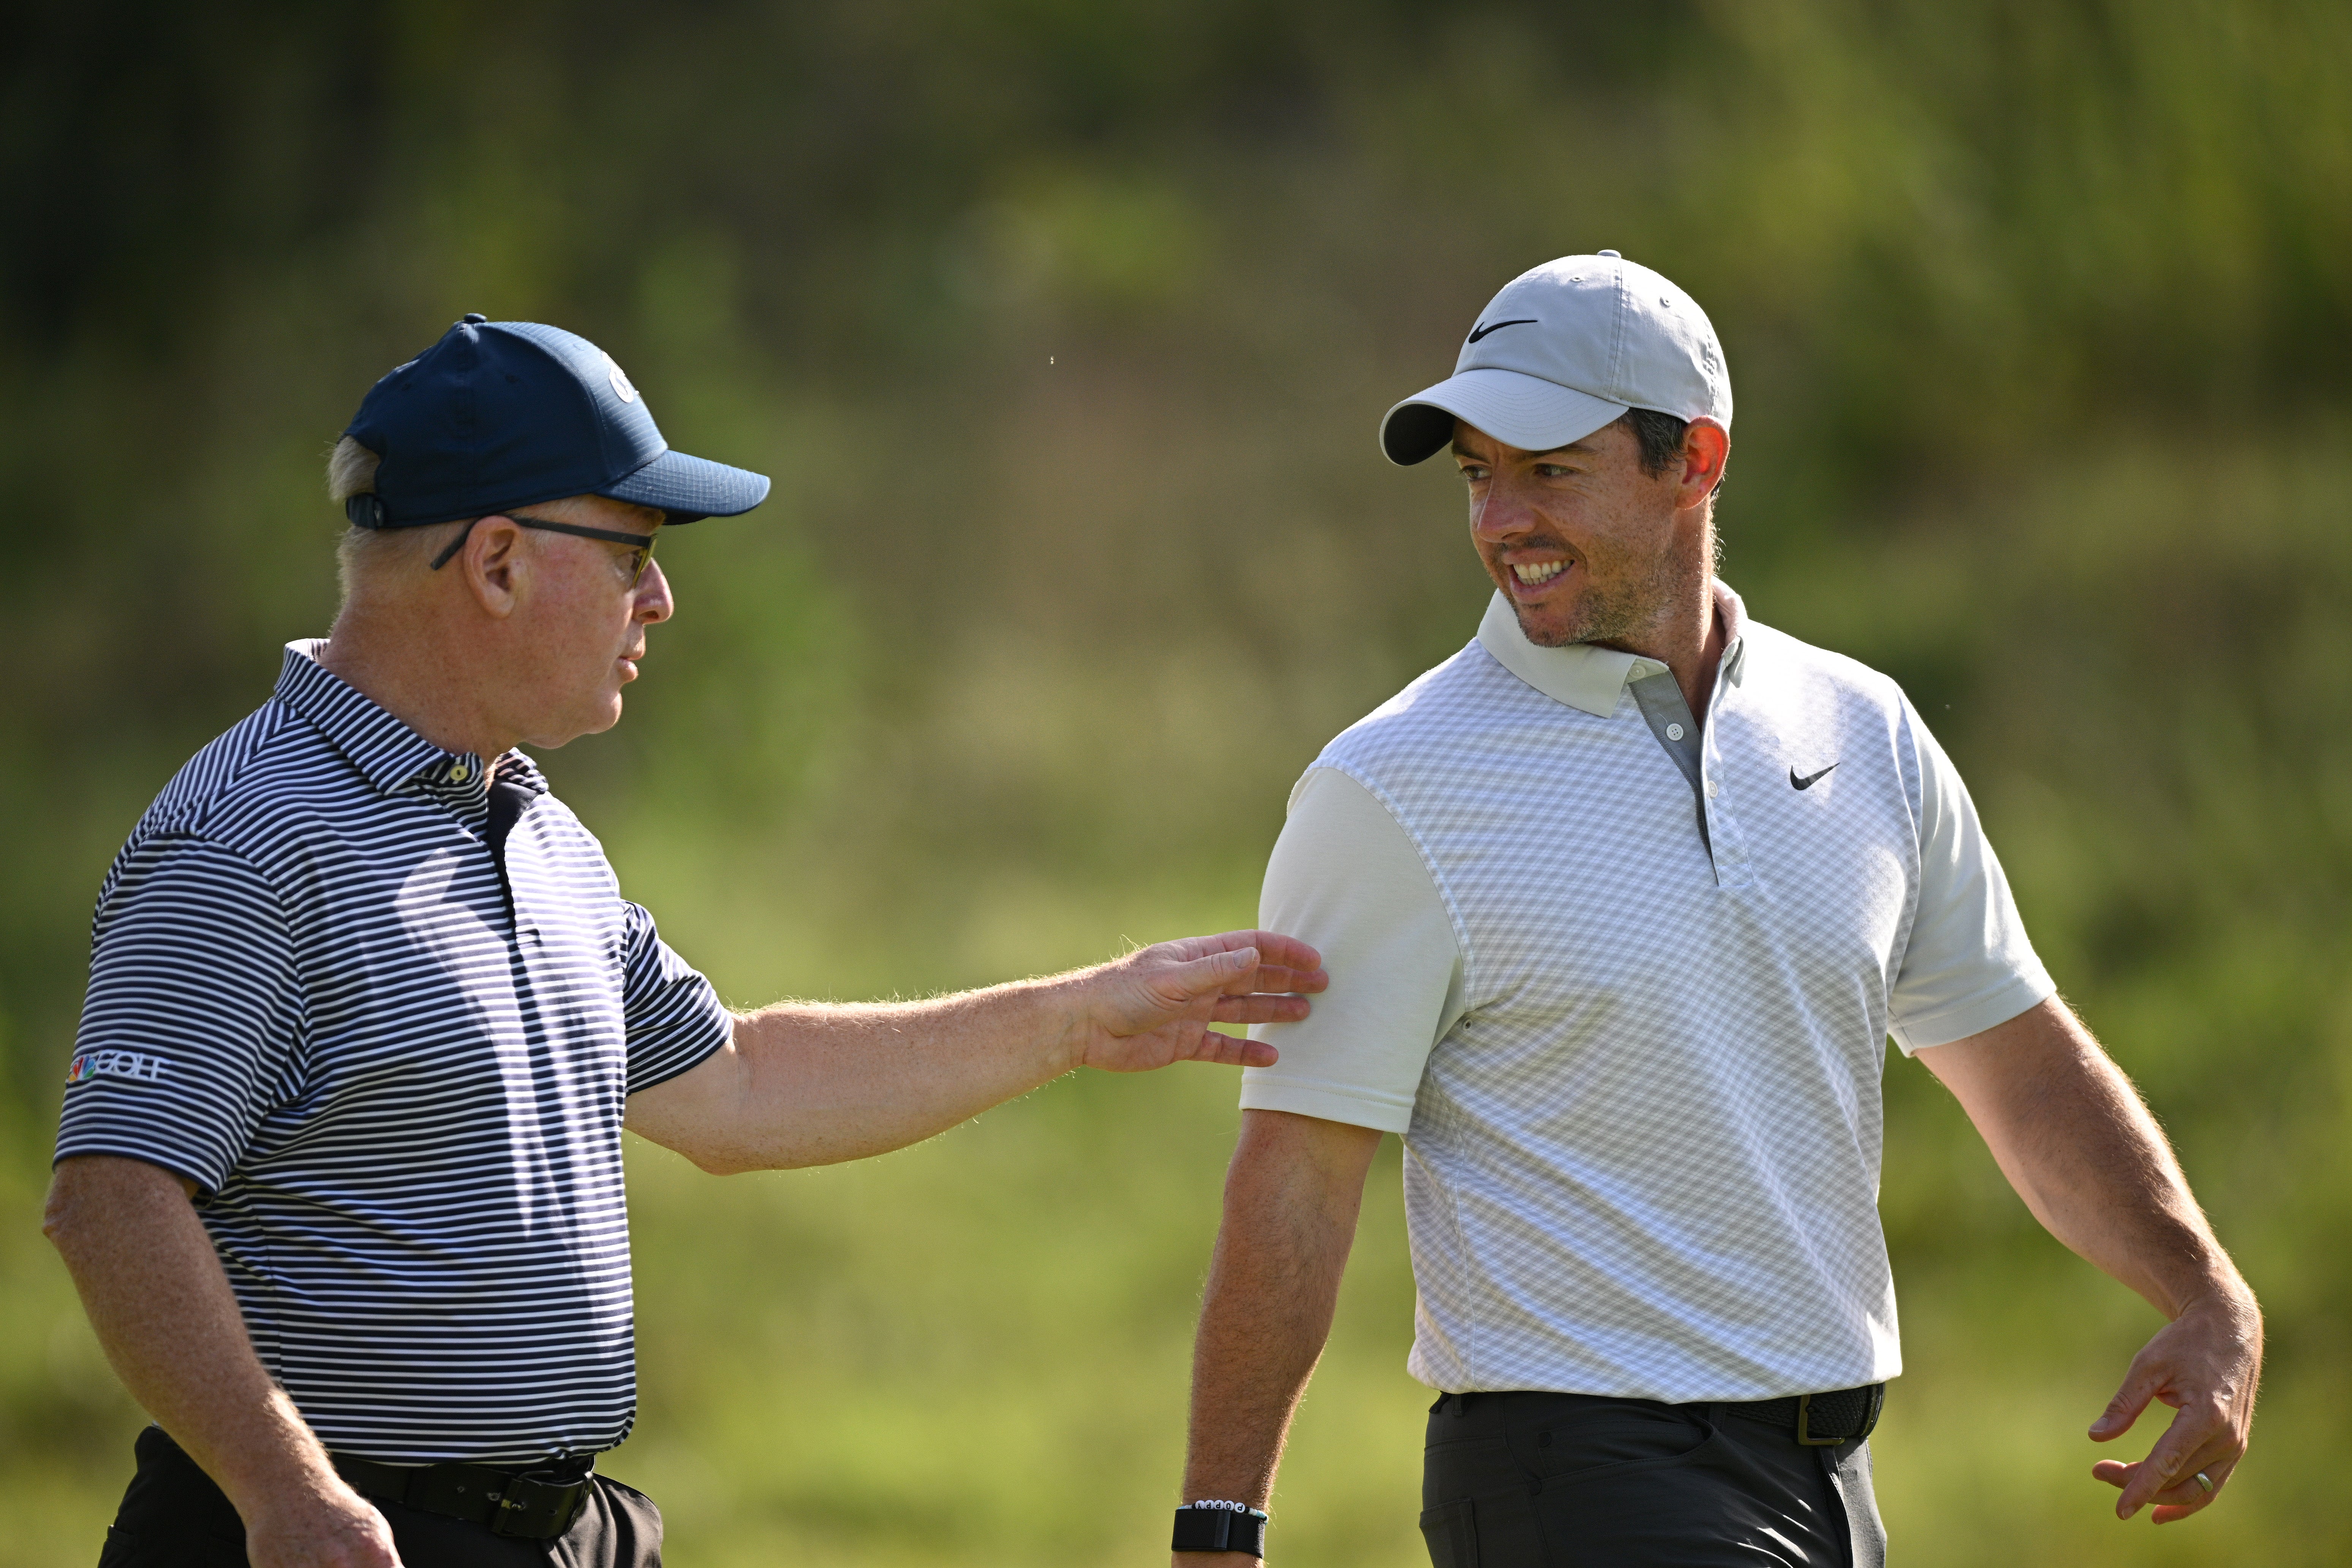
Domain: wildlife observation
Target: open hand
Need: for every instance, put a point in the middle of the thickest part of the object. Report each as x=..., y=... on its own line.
x=2205, y=1364
x=1155, y=1005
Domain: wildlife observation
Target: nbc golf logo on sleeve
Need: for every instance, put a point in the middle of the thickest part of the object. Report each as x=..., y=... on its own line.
x=139, y=1065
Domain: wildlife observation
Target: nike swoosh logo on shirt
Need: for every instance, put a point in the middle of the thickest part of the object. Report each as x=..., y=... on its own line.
x=1499, y=326
x=1810, y=780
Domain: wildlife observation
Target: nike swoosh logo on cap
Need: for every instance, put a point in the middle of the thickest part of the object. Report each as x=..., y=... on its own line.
x=1810, y=780
x=1499, y=326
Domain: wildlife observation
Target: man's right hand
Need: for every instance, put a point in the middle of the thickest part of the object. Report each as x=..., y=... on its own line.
x=323, y=1526
x=162, y=1306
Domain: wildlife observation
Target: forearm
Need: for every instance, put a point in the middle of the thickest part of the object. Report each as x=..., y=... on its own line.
x=1292, y=1199
x=2071, y=1134
x=2073, y=1138
x=163, y=1310
x=827, y=1083
x=803, y=1084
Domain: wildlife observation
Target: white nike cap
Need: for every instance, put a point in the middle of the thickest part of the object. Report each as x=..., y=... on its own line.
x=1564, y=350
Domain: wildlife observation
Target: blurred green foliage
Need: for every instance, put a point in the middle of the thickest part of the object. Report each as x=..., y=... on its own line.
x=1064, y=328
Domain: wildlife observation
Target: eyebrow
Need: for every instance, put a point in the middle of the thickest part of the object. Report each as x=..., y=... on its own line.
x=1577, y=446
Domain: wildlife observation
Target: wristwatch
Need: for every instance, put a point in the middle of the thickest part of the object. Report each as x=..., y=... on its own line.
x=1214, y=1524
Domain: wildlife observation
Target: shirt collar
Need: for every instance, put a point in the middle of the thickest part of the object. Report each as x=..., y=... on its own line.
x=388, y=752
x=1593, y=679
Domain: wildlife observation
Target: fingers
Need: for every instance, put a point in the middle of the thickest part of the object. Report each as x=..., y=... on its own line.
x=1240, y=972
x=1234, y=1051
x=1259, y=1008
x=2140, y=1384
x=1283, y=980
x=1286, y=952
x=1219, y=973
x=1289, y=964
x=2198, y=1440
x=2182, y=1497
x=1154, y=1006
x=1196, y=989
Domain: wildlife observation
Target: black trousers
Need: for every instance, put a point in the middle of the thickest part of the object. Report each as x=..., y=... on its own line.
x=173, y=1516
x=1564, y=1480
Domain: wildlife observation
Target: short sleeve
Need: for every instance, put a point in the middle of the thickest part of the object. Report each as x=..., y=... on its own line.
x=673, y=1016
x=193, y=1022
x=1346, y=877
x=1969, y=966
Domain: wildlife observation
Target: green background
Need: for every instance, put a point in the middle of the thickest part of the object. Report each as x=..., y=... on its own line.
x=1064, y=328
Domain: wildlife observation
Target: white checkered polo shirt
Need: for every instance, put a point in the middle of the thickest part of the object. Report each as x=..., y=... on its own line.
x=1623, y=982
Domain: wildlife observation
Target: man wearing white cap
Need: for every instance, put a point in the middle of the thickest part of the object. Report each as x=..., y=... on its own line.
x=1620, y=904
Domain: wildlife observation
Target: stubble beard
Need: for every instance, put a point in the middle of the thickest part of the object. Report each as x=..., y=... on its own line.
x=1629, y=595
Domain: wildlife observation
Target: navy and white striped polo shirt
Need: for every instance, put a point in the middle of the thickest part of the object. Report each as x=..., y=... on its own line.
x=394, y=1060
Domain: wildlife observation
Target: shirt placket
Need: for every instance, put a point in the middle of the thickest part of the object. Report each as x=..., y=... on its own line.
x=461, y=787
x=1733, y=865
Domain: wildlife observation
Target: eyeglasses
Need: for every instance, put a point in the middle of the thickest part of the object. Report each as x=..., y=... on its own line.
x=641, y=545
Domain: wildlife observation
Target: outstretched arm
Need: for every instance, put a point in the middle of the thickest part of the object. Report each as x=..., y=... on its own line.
x=2072, y=1138
x=154, y=1287
x=804, y=1084
x=1292, y=1197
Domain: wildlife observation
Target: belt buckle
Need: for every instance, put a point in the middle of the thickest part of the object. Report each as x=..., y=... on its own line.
x=1805, y=1425
x=535, y=1510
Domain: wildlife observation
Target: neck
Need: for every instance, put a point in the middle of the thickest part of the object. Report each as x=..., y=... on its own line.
x=1696, y=649
x=1687, y=637
x=400, y=660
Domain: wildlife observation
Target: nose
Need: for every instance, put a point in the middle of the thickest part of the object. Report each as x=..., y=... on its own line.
x=1505, y=510
x=651, y=600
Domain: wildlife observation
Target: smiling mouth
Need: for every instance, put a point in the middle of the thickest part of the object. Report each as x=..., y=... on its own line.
x=1535, y=574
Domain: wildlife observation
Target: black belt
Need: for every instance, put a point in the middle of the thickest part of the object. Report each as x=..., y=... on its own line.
x=1821, y=1420
x=538, y=1504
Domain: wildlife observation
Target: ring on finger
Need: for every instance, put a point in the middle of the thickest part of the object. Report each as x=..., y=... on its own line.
x=2206, y=1481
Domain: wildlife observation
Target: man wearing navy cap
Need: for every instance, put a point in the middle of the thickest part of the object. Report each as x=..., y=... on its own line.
x=1623, y=901
x=339, y=1176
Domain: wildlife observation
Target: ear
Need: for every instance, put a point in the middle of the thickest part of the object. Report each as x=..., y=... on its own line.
x=495, y=562
x=1707, y=447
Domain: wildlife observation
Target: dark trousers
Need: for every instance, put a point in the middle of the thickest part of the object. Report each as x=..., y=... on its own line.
x=174, y=1517
x=1563, y=1480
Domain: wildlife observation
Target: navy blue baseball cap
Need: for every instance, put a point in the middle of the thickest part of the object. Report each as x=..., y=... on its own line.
x=499, y=415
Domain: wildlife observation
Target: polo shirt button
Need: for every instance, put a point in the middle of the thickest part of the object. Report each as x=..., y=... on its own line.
x=459, y=772
x=1674, y=731
x=1713, y=788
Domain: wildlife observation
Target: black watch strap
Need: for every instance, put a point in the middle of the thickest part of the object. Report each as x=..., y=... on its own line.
x=1216, y=1526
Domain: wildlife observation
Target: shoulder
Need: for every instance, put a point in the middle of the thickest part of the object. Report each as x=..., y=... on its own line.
x=241, y=793
x=221, y=787
x=222, y=772
x=1780, y=665
x=1468, y=692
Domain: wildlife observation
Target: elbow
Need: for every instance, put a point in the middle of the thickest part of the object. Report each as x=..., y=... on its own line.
x=64, y=1217
x=737, y=1162
x=725, y=1159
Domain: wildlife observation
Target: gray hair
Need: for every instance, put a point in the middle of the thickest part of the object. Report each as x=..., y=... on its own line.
x=351, y=472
